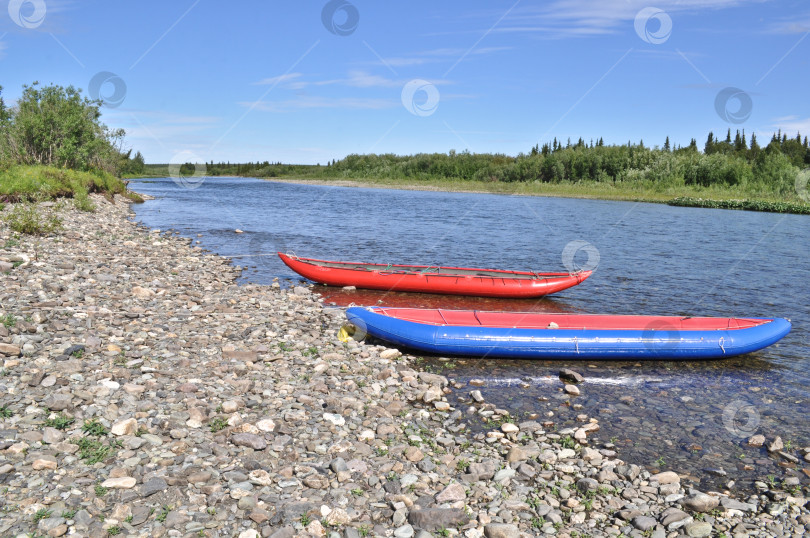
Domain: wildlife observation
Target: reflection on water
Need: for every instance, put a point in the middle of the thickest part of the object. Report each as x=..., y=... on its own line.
x=341, y=297
x=653, y=259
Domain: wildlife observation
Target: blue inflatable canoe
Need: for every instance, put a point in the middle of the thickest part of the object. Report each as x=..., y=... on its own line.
x=527, y=335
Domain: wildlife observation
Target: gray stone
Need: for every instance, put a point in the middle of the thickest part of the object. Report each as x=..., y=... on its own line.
x=431, y=519
x=152, y=486
x=338, y=464
x=500, y=530
x=698, y=529
x=405, y=531
x=733, y=504
x=700, y=502
x=644, y=523
x=571, y=376
x=249, y=440
x=587, y=484
x=58, y=402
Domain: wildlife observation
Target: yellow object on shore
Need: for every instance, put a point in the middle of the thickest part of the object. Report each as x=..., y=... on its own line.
x=346, y=332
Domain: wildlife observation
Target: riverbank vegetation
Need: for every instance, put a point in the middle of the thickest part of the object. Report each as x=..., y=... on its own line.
x=53, y=144
x=732, y=168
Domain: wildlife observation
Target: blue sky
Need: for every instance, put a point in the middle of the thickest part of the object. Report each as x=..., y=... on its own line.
x=307, y=82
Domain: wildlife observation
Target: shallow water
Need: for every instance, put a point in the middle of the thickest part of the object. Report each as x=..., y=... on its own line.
x=650, y=259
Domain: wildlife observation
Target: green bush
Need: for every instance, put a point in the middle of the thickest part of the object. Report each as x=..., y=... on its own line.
x=83, y=202
x=26, y=218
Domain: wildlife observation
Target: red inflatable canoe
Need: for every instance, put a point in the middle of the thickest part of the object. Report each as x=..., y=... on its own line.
x=431, y=279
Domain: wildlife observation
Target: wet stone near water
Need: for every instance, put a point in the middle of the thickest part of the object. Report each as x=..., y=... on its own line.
x=197, y=406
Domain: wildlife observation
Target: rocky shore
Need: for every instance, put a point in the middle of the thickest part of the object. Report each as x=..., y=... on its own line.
x=144, y=393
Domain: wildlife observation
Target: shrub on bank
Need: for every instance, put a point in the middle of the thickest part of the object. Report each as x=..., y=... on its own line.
x=27, y=218
x=32, y=183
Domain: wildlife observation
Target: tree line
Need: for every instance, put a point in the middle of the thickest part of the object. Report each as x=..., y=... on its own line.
x=735, y=162
x=56, y=126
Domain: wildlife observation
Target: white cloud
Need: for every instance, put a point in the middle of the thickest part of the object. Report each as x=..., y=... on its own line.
x=437, y=56
x=575, y=18
x=799, y=24
x=354, y=79
x=279, y=79
x=309, y=102
x=148, y=129
x=790, y=125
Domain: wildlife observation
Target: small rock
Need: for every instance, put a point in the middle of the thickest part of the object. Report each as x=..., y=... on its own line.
x=10, y=350
x=431, y=519
x=453, y=492
x=125, y=427
x=508, y=427
x=571, y=376
x=413, y=454
x=644, y=523
x=152, y=486
x=249, y=440
x=776, y=445
x=573, y=390
x=756, y=440
x=125, y=482
x=700, y=502
x=698, y=529
x=501, y=530
x=43, y=463
x=667, y=477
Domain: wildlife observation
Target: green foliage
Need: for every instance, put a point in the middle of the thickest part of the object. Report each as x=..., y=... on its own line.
x=26, y=218
x=732, y=165
x=42, y=513
x=69, y=514
x=54, y=125
x=747, y=205
x=100, y=490
x=94, y=427
x=36, y=183
x=8, y=321
x=163, y=514
x=83, y=202
x=218, y=424
x=59, y=421
x=132, y=166
x=115, y=530
x=5, y=412
x=93, y=451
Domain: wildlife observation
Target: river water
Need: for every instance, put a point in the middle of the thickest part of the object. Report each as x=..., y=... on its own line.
x=691, y=417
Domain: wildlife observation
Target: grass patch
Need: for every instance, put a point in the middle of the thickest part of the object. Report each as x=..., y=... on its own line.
x=93, y=451
x=629, y=191
x=218, y=424
x=94, y=427
x=8, y=321
x=163, y=514
x=745, y=205
x=31, y=183
x=60, y=421
x=83, y=202
x=27, y=218
x=42, y=513
x=5, y=412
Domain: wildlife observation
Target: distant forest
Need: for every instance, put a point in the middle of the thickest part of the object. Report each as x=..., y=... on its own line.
x=730, y=162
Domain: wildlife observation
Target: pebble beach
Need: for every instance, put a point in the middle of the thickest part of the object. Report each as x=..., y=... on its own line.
x=143, y=392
